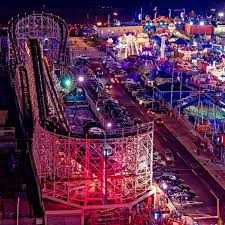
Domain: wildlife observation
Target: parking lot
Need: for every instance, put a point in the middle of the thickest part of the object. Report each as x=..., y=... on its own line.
x=189, y=190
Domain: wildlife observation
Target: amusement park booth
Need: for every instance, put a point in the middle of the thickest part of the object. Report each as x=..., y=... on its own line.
x=198, y=29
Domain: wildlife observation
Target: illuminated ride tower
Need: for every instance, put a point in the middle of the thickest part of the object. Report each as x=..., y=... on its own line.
x=79, y=176
x=131, y=45
x=163, y=47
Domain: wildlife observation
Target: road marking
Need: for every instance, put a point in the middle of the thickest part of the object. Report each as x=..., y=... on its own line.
x=178, y=154
x=194, y=172
x=164, y=138
x=188, y=203
x=205, y=217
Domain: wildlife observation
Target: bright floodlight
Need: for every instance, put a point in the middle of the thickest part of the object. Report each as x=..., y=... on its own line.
x=191, y=23
x=221, y=14
x=68, y=82
x=99, y=23
x=164, y=186
x=80, y=79
x=109, y=125
x=202, y=23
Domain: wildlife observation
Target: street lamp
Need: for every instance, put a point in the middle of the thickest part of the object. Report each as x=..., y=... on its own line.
x=201, y=23
x=105, y=154
x=164, y=186
x=221, y=14
x=99, y=23
x=109, y=125
x=220, y=222
x=191, y=23
x=80, y=78
x=68, y=83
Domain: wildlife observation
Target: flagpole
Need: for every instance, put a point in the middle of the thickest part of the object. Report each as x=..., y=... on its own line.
x=155, y=15
x=180, y=93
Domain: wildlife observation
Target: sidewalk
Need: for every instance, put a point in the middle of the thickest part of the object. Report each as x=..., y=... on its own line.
x=185, y=134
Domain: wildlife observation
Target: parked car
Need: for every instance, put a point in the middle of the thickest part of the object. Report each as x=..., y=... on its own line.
x=158, y=110
x=128, y=81
x=183, y=195
x=166, y=176
x=119, y=74
x=137, y=121
x=161, y=162
x=83, y=57
x=95, y=131
x=145, y=101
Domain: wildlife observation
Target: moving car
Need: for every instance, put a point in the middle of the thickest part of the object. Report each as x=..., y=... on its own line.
x=115, y=80
x=98, y=72
x=108, y=86
x=159, y=121
x=137, y=121
x=168, y=155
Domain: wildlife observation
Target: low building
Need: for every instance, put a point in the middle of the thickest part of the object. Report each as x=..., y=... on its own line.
x=106, y=32
x=219, y=29
x=198, y=29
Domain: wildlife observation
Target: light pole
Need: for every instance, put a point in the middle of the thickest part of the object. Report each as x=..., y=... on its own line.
x=180, y=93
x=220, y=222
x=80, y=80
x=105, y=152
x=165, y=186
x=221, y=15
x=171, y=94
x=169, y=13
x=17, y=211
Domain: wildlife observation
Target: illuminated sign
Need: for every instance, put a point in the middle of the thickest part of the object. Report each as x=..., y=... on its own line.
x=220, y=29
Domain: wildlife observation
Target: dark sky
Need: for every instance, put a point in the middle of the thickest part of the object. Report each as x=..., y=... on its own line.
x=69, y=8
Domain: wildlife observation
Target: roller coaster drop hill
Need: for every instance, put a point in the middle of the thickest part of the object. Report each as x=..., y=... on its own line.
x=71, y=170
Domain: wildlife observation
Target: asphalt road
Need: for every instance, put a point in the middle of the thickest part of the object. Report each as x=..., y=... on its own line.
x=190, y=171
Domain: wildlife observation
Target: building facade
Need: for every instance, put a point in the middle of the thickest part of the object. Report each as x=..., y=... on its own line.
x=106, y=32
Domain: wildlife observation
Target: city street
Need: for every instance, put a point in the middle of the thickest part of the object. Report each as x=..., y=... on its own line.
x=203, y=208
x=79, y=47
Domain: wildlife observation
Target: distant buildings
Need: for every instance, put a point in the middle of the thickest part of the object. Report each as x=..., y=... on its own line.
x=105, y=32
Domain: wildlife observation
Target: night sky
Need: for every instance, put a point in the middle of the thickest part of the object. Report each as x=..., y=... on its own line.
x=70, y=9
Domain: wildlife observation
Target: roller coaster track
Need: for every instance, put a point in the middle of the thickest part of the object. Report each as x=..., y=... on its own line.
x=45, y=87
x=13, y=36
x=75, y=169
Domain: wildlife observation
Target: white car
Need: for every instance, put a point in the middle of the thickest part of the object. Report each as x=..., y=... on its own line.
x=162, y=162
x=146, y=101
x=169, y=156
x=157, y=157
x=128, y=81
x=95, y=131
x=84, y=57
x=170, y=177
x=134, y=92
x=120, y=74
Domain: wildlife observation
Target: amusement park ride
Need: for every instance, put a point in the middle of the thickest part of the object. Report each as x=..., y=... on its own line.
x=74, y=171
